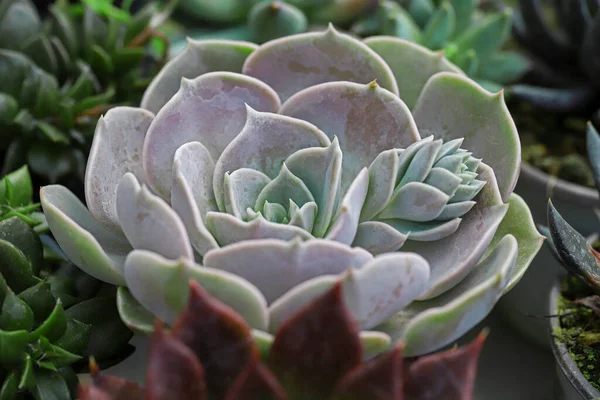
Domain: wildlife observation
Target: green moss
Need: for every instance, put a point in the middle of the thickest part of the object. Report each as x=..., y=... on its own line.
x=555, y=144
x=579, y=329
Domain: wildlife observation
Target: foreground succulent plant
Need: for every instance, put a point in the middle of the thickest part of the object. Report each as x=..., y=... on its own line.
x=562, y=92
x=315, y=354
x=60, y=73
x=278, y=202
x=50, y=313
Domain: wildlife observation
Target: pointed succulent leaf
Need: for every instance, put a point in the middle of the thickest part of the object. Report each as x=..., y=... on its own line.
x=270, y=20
x=450, y=374
x=382, y=181
x=88, y=244
x=416, y=201
x=378, y=237
x=577, y=255
x=362, y=135
x=439, y=27
x=160, y=285
x=210, y=109
x=395, y=21
x=20, y=21
x=504, y=67
x=379, y=379
x=227, y=229
x=286, y=186
x=477, y=124
x=411, y=64
x=339, y=12
x=220, y=338
x=294, y=63
x=453, y=257
x=315, y=348
x=116, y=150
x=446, y=318
x=191, y=193
x=22, y=188
x=198, y=58
x=345, y=223
x=276, y=266
x=241, y=189
x=256, y=381
x=563, y=100
x=264, y=143
x=487, y=35
x=173, y=368
x=149, y=223
x=421, y=11
x=372, y=294
x=463, y=9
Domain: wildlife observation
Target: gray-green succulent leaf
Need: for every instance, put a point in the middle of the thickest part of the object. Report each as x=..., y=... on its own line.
x=268, y=173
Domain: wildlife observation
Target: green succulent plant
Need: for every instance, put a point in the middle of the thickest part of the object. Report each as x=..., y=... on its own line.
x=269, y=172
x=471, y=37
x=51, y=314
x=316, y=354
x=60, y=73
x=562, y=92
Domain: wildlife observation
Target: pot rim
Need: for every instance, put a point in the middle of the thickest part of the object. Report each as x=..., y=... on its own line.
x=561, y=354
x=560, y=188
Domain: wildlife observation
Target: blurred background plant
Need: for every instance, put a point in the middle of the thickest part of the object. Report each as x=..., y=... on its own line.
x=554, y=101
x=62, y=71
x=52, y=315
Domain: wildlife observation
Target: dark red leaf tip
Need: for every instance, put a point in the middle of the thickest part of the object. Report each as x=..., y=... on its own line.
x=256, y=382
x=219, y=337
x=316, y=347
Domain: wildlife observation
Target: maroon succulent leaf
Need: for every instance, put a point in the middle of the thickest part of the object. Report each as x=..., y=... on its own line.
x=218, y=336
x=448, y=375
x=316, y=347
x=109, y=387
x=377, y=379
x=256, y=382
x=173, y=369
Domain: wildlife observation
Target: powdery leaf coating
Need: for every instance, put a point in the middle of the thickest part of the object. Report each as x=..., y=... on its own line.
x=116, y=150
x=297, y=62
x=210, y=109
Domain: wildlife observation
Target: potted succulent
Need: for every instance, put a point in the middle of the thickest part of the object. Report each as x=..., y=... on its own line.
x=52, y=315
x=574, y=312
x=551, y=107
x=315, y=354
x=267, y=204
x=61, y=72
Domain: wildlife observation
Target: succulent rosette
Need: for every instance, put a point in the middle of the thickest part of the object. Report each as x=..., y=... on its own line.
x=269, y=173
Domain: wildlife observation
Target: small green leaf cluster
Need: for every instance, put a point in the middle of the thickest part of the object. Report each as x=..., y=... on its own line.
x=50, y=314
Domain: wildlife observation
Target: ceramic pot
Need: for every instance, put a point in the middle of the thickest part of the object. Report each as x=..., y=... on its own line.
x=526, y=304
x=572, y=384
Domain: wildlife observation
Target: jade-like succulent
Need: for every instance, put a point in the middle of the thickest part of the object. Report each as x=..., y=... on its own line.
x=573, y=249
x=50, y=313
x=470, y=37
x=60, y=73
x=276, y=202
x=315, y=354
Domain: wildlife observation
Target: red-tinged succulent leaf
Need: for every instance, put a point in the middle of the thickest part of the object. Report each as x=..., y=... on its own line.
x=448, y=375
x=219, y=337
x=256, y=382
x=377, y=379
x=316, y=347
x=173, y=370
x=109, y=387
